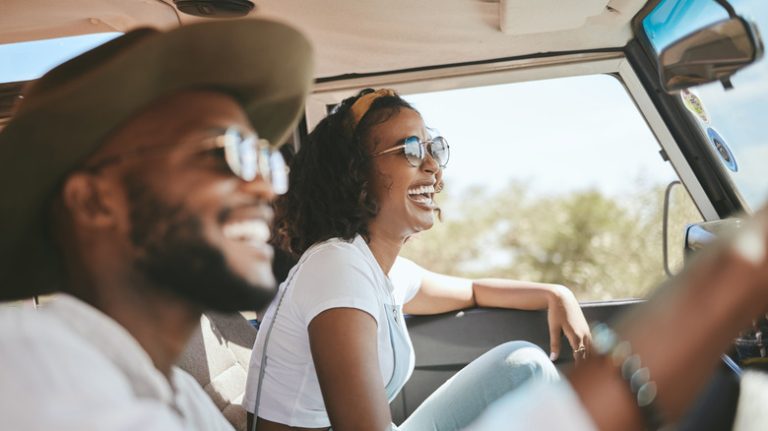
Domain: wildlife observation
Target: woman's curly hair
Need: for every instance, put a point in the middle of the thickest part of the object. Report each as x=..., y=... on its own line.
x=330, y=178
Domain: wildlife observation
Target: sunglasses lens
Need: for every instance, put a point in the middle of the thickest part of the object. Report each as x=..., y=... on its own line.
x=278, y=173
x=440, y=151
x=414, y=151
x=250, y=157
x=240, y=155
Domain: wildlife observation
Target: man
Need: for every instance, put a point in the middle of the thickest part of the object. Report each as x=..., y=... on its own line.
x=136, y=178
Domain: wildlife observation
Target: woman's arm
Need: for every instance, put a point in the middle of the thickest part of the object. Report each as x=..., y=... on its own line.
x=441, y=293
x=344, y=349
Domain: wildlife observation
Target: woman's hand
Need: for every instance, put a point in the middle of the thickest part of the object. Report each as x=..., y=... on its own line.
x=564, y=314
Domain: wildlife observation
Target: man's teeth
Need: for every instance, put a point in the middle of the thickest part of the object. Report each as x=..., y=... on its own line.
x=248, y=230
x=421, y=190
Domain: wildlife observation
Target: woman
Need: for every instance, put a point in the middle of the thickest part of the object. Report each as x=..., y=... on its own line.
x=337, y=350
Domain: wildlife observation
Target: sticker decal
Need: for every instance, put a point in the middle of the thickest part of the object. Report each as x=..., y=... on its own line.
x=694, y=104
x=722, y=149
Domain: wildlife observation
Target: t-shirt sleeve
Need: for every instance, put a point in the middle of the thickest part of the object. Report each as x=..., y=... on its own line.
x=406, y=277
x=337, y=276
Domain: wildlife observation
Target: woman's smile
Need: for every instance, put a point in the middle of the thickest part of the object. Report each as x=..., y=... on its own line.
x=423, y=195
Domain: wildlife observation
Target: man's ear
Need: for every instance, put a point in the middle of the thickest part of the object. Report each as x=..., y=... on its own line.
x=90, y=200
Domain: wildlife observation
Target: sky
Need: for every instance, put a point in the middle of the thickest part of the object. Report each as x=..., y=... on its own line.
x=557, y=136
x=584, y=132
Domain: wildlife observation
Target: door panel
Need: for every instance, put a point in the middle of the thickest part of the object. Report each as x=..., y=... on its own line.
x=446, y=343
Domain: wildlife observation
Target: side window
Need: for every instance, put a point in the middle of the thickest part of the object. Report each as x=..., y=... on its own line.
x=556, y=181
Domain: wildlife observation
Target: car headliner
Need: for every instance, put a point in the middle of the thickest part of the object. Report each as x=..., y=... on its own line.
x=353, y=36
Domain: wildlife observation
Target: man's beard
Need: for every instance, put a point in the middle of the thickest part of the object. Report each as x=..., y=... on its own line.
x=175, y=256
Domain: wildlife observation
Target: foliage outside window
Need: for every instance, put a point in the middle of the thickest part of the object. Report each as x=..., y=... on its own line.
x=583, y=208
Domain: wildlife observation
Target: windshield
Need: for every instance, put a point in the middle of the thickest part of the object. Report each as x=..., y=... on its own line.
x=731, y=120
x=30, y=60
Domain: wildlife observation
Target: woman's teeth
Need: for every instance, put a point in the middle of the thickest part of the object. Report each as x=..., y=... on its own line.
x=422, y=194
x=421, y=190
x=423, y=199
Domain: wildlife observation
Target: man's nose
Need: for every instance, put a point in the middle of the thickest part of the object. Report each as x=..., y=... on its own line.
x=259, y=187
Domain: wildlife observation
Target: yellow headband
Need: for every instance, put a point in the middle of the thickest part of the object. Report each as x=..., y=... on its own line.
x=363, y=104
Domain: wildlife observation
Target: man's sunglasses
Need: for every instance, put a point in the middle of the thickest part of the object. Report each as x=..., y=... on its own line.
x=416, y=150
x=246, y=156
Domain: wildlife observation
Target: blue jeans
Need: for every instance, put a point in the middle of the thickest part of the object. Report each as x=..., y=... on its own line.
x=461, y=399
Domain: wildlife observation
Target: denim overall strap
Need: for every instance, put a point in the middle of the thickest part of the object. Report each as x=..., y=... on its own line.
x=398, y=339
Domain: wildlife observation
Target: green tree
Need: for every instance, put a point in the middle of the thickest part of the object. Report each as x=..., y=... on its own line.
x=599, y=246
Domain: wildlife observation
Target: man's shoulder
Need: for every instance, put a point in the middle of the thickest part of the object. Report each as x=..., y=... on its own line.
x=53, y=379
x=196, y=405
x=46, y=363
x=26, y=326
x=37, y=343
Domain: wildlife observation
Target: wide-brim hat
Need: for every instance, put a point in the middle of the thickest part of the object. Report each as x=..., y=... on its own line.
x=66, y=115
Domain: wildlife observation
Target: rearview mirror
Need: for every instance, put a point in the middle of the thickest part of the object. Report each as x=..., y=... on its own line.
x=698, y=235
x=713, y=53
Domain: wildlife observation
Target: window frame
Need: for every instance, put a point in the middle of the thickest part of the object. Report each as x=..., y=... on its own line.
x=722, y=193
x=614, y=63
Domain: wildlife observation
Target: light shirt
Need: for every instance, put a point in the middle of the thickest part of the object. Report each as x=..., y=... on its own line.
x=555, y=406
x=751, y=413
x=536, y=406
x=332, y=274
x=69, y=367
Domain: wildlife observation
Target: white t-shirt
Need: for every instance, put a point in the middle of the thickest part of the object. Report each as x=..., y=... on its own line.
x=332, y=274
x=69, y=367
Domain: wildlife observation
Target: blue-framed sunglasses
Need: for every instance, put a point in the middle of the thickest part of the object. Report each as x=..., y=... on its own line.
x=415, y=150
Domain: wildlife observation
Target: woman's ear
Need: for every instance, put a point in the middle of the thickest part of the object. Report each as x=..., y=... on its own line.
x=90, y=200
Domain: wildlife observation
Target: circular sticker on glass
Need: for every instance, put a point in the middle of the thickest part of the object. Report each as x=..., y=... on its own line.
x=694, y=104
x=722, y=149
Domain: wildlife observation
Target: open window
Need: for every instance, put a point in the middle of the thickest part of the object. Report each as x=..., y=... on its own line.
x=558, y=173
x=557, y=180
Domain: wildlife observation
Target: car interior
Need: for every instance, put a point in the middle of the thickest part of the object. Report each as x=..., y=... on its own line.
x=432, y=46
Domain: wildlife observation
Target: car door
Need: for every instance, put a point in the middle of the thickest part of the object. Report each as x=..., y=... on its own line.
x=564, y=144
